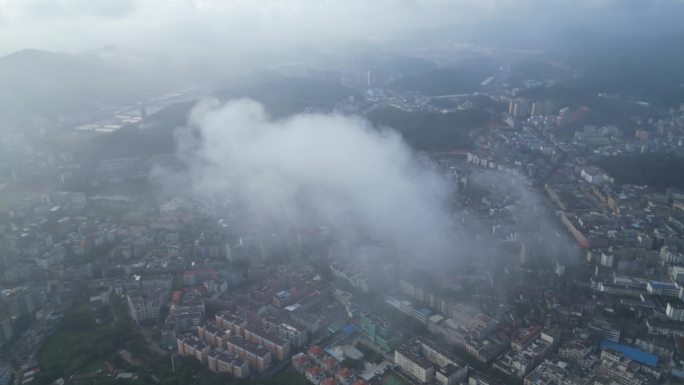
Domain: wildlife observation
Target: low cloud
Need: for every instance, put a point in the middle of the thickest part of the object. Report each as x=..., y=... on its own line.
x=312, y=170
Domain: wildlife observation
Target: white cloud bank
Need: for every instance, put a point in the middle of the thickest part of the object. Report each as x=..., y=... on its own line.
x=319, y=169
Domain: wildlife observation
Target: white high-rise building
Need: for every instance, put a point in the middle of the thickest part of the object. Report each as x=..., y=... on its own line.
x=674, y=313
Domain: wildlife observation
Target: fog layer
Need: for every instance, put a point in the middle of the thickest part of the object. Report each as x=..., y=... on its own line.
x=210, y=28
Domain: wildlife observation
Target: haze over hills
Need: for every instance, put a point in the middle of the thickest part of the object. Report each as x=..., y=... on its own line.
x=47, y=84
x=280, y=96
x=432, y=131
x=465, y=77
x=284, y=97
x=41, y=84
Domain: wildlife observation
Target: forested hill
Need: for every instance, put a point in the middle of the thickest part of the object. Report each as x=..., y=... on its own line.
x=432, y=131
x=659, y=171
x=35, y=84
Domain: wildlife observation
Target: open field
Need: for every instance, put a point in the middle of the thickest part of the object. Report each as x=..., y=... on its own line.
x=393, y=378
x=10, y=199
x=14, y=194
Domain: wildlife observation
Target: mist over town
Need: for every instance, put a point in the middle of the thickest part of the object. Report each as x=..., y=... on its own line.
x=300, y=192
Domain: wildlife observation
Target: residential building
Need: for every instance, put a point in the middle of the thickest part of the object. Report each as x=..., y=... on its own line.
x=280, y=348
x=220, y=361
x=479, y=378
x=6, y=376
x=379, y=330
x=677, y=274
x=231, y=322
x=675, y=311
x=144, y=306
x=425, y=361
x=213, y=335
x=412, y=363
x=555, y=373
x=667, y=289
x=189, y=345
x=256, y=356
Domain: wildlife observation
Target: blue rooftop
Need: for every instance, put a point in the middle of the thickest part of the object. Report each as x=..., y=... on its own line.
x=663, y=285
x=631, y=352
x=349, y=329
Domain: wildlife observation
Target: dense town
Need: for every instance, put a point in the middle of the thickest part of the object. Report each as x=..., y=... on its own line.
x=577, y=279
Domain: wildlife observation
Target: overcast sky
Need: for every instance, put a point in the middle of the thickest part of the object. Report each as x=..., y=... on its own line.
x=168, y=25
